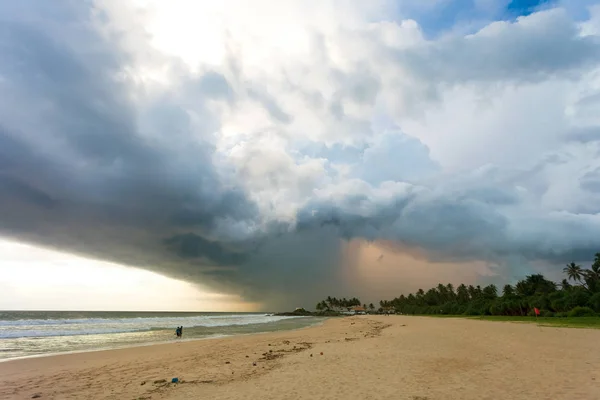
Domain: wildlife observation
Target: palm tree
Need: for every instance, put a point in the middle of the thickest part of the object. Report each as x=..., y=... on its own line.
x=596, y=264
x=371, y=307
x=574, y=272
x=490, y=292
x=472, y=292
x=450, y=290
x=508, y=290
x=462, y=293
x=592, y=277
x=441, y=288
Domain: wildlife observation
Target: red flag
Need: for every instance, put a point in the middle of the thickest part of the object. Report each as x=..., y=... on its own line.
x=536, y=310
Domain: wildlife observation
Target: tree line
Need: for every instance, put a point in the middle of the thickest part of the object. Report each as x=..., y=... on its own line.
x=577, y=295
x=334, y=304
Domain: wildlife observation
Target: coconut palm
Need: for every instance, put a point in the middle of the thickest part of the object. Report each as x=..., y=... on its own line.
x=508, y=290
x=574, y=272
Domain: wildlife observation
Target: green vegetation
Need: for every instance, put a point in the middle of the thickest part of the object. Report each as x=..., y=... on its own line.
x=331, y=307
x=566, y=322
x=576, y=298
x=333, y=304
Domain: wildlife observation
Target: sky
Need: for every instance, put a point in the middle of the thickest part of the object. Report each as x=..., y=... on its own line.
x=191, y=155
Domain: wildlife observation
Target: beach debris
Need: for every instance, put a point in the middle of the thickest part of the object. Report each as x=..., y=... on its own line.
x=271, y=356
x=286, y=342
x=254, y=364
x=270, y=351
x=143, y=383
x=269, y=344
x=175, y=380
x=247, y=356
x=321, y=353
x=311, y=354
x=36, y=396
x=160, y=381
x=227, y=362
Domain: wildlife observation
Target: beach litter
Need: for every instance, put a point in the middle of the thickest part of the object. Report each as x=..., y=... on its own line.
x=175, y=380
x=36, y=396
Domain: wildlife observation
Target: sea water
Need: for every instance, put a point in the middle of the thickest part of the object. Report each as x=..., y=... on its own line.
x=35, y=333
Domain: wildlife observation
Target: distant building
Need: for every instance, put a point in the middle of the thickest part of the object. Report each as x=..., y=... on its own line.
x=358, y=310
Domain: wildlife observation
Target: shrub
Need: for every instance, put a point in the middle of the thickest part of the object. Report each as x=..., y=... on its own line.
x=577, y=298
x=561, y=315
x=594, y=302
x=582, y=312
x=546, y=313
x=559, y=304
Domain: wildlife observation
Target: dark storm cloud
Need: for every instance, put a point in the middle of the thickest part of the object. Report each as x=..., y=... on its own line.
x=458, y=227
x=83, y=170
x=86, y=169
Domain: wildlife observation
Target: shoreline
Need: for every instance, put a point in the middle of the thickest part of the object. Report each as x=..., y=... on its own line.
x=360, y=357
x=158, y=343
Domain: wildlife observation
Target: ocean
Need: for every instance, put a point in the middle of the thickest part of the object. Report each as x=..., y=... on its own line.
x=36, y=333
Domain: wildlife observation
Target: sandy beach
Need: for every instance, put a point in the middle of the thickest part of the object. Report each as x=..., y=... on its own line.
x=393, y=357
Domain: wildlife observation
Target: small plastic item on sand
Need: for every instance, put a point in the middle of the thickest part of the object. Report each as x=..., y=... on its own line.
x=175, y=380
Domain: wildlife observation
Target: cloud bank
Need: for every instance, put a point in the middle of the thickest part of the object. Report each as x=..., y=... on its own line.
x=239, y=146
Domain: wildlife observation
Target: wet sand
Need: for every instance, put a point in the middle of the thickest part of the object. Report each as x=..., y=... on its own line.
x=393, y=357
